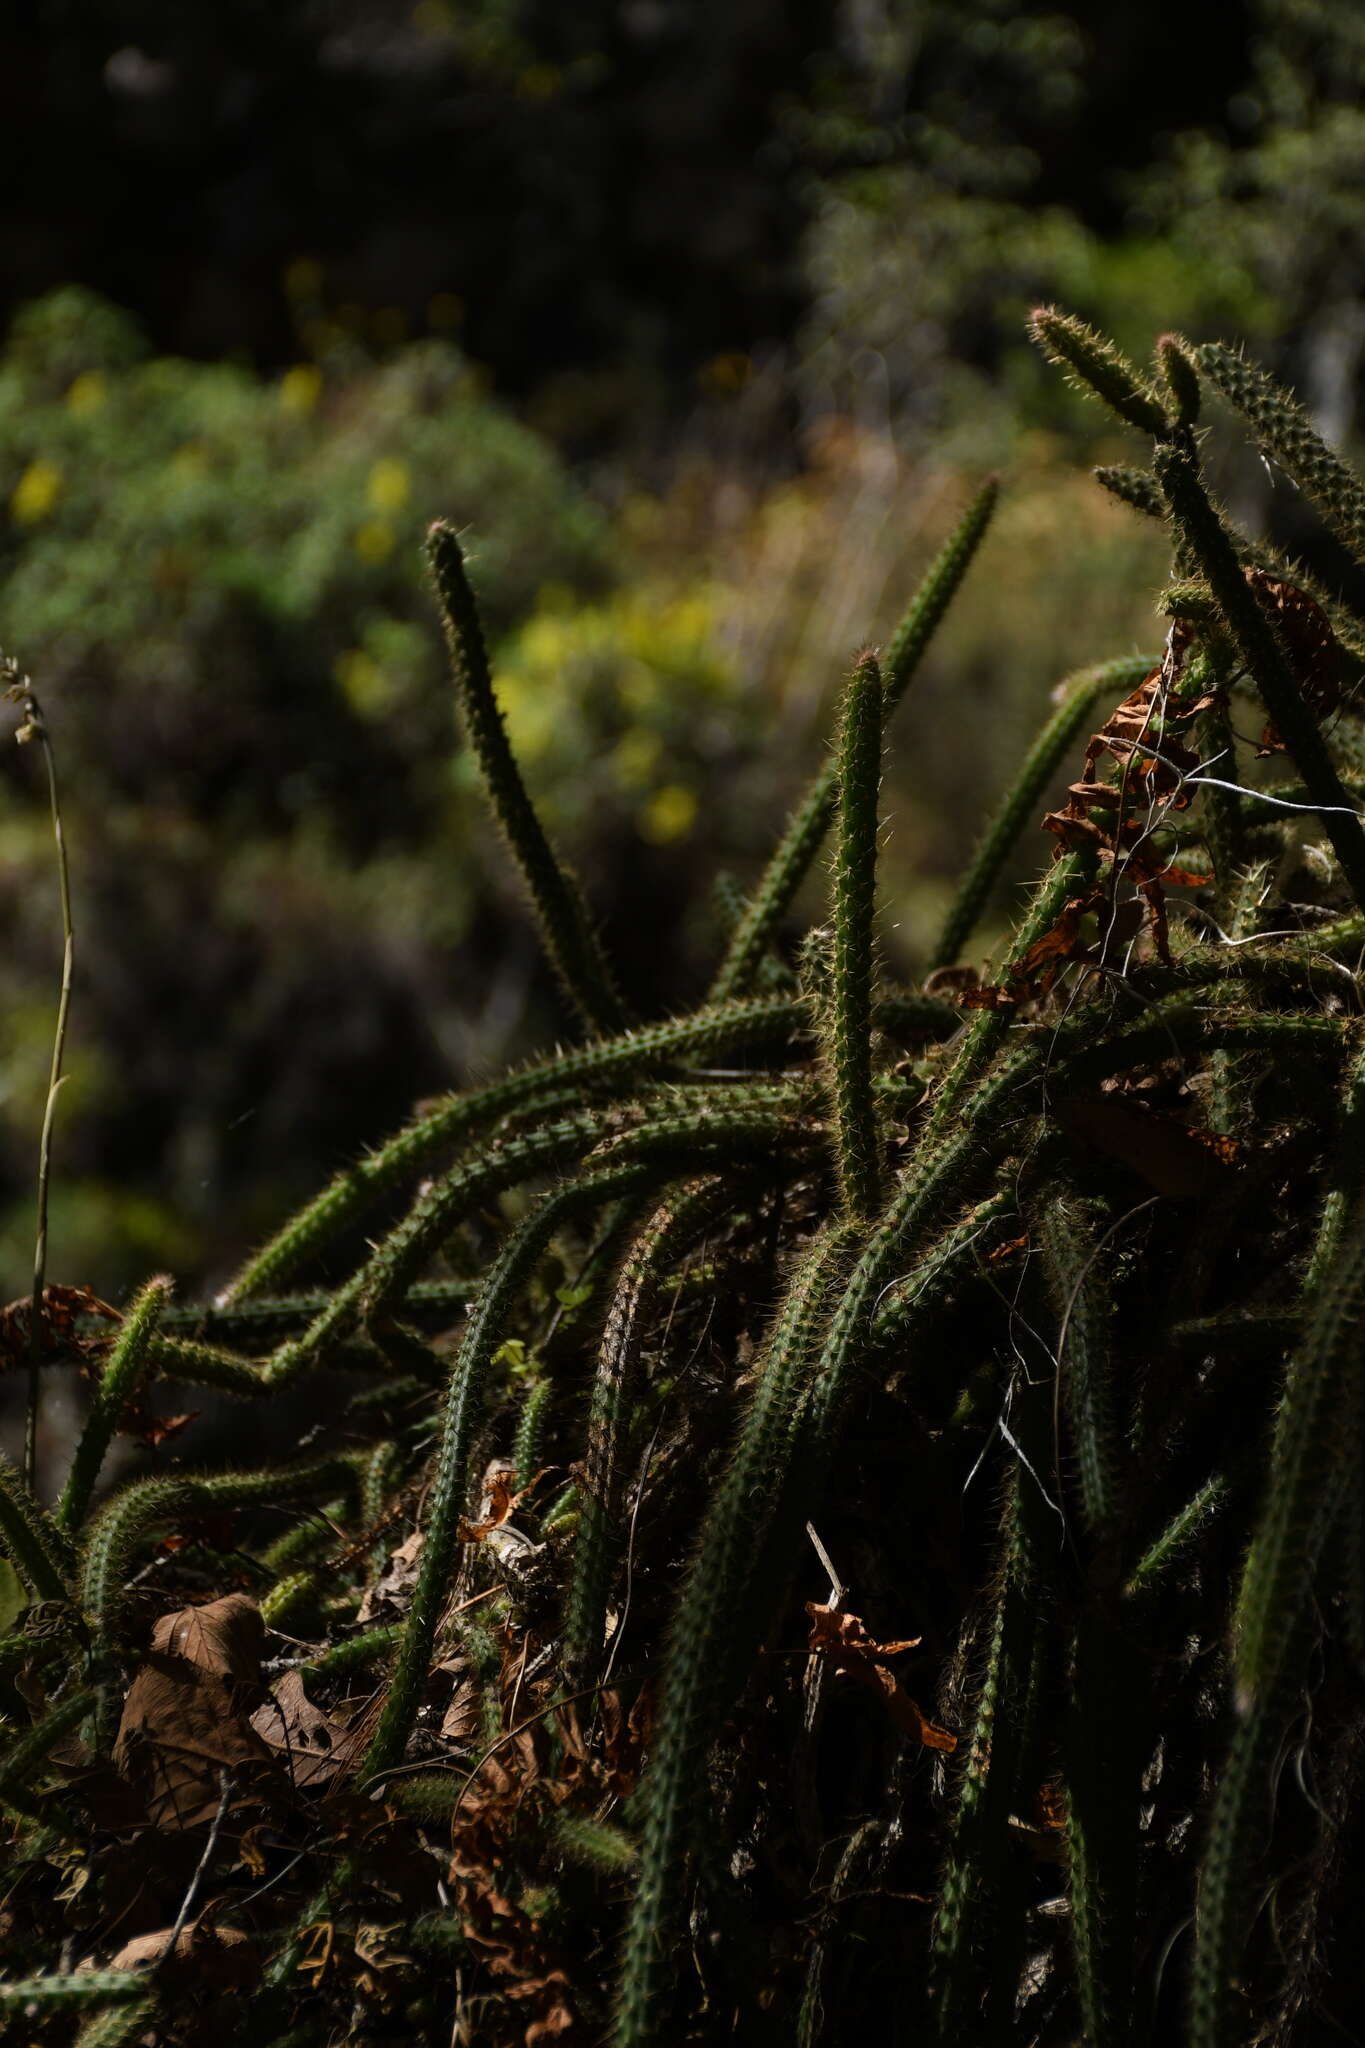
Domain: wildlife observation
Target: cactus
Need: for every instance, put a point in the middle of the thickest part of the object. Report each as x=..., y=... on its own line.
x=1040, y=1312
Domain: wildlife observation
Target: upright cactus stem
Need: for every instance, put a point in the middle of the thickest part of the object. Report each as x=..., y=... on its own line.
x=127, y=1363
x=571, y=944
x=1176, y=361
x=1095, y=364
x=38, y=1546
x=1286, y=436
x=848, y=1051
x=1199, y=526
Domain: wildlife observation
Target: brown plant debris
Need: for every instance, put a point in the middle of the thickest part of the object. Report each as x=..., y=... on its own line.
x=314, y=1746
x=186, y=1717
x=843, y=1640
x=64, y=1311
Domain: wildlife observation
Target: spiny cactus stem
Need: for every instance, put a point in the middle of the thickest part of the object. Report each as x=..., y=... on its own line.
x=1096, y=363
x=41, y=1550
x=719, y=1028
x=848, y=1056
x=716, y=1614
x=118, y=1384
x=970, y=1962
x=1175, y=1540
x=1073, y=1233
x=79, y=1988
x=988, y=1027
x=570, y=941
x=1286, y=436
x=1198, y=523
x=113, y=1537
x=667, y=1233
x=1302, y=1486
x=482, y=1336
x=1176, y=361
x=32, y=1750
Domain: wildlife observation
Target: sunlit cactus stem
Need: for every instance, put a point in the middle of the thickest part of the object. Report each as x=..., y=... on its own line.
x=118, y=1384
x=570, y=942
x=1202, y=531
x=848, y=1027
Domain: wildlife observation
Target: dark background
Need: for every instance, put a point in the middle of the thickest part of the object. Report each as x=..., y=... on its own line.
x=598, y=185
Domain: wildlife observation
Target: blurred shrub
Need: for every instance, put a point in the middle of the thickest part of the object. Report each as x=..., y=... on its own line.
x=285, y=923
x=973, y=159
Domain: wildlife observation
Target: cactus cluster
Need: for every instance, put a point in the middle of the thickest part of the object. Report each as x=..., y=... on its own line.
x=1036, y=1304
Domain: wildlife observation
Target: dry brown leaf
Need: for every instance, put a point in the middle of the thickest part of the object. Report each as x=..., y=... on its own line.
x=626, y=1736
x=208, y=1958
x=462, y=1719
x=1119, y=820
x=185, y=1720
x=844, y=1641
x=314, y=1746
x=58, y=1313
x=139, y=1422
x=391, y=1594
x=500, y=1497
x=224, y=1637
x=951, y=982
x=376, y=1945
x=1313, y=649
x=251, y=1851
x=1004, y=1251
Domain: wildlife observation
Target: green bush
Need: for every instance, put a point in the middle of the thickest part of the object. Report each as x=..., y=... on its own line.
x=1016, y=1324
x=223, y=574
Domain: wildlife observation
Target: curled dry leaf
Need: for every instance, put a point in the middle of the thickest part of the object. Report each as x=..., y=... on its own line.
x=626, y=1734
x=463, y=1717
x=60, y=1316
x=207, y=1959
x=225, y=1637
x=843, y=1640
x=1308, y=640
x=501, y=1496
x=138, y=1422
x=315, y=1748
x=391, y=1594
x=952, y=982
x=381, y=1946
x=185, y=1719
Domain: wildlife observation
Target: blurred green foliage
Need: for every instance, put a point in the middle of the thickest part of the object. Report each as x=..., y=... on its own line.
x=283, y=924
x=950, y=200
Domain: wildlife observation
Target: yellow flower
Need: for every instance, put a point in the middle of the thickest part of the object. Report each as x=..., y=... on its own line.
x=363, y=683
x=635, y=757
x=670, y=814
x=388, y=486
x=36, y=492
x=301, y=387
